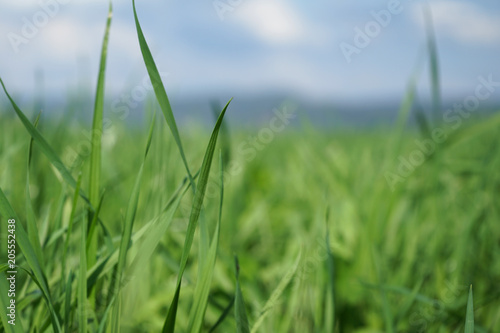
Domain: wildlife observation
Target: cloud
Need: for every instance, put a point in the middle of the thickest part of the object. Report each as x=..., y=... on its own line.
x=272, y=21
x=465, y=22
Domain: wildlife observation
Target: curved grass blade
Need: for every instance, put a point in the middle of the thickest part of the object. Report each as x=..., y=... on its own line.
x=31, y=258
x=44, y=145
x=202, y=289
x=469, y=319
x=95, y=154
x=240, y=313
x=199, y=196
x=223, y=316
x=160, y=92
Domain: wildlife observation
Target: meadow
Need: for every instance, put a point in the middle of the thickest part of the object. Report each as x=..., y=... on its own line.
x=165, y=228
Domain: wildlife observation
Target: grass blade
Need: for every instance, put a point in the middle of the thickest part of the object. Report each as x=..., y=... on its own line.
x=331, y=275
x=95, y=144
x=469, y=319
x=44, y=145
x=70, y=225
x=30, y=214
x=82, y=280
x=240, y=313
x=160, y=92
x=203, y=286
x=67, y=303
x=193, y=218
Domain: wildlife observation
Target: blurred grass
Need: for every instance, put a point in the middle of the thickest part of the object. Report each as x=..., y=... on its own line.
x=434, y=235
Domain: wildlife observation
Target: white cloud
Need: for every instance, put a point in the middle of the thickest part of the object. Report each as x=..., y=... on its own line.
x=465, y=22
x=273, y=21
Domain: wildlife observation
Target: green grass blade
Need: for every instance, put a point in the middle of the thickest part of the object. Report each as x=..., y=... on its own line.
x=33, y=233
x=331, y=274
x=29, y=253
x=93, y=225
x=95, y=144
x=469, y=319
x=82, y=280
x=67, y=304
x=44, y=145
x=205, y=278
x=240, y=313
x=160, y=92
x=70, y=225
x=223, y=316
x=276, y=294
x=169, y=325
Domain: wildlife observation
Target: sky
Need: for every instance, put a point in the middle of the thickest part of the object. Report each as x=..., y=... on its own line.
x=322, y=50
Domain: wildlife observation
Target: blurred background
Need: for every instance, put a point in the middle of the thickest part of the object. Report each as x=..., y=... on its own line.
x=343, y=62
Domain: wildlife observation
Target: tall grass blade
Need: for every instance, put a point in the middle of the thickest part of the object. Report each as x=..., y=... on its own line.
x=82, y=280
x=331, y=274
x=70, y=225
x=95, y=144
x=67, y=303
x=199, y=196
x=33, y=233
x=160, y=92
x=203, y=286
x=469, y=318
x=240, y=313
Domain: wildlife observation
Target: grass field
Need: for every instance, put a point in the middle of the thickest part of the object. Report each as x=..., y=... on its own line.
x=160, y=228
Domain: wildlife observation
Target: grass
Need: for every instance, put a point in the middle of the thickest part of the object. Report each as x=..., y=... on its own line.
x=122, y=258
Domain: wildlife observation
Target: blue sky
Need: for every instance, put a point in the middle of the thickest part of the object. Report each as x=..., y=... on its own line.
x=249, y=47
